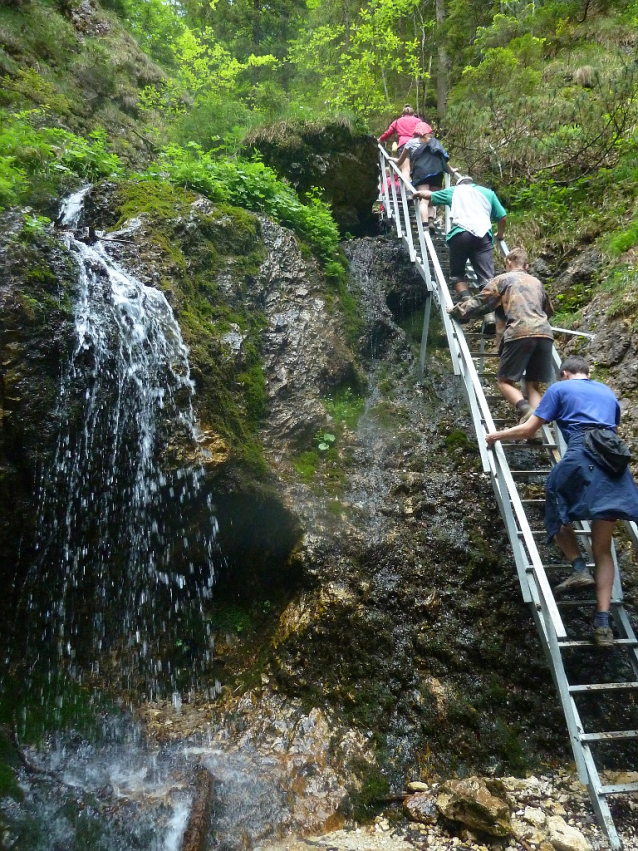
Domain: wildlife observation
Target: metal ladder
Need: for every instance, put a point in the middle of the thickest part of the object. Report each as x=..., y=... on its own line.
x=573, y=660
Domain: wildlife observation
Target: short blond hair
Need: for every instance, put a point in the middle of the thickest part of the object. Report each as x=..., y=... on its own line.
x=518, y=257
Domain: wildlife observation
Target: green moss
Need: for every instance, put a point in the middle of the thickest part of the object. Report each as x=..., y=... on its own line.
x=306, y=464
x=47, y=701
x=232, y=619
x=8, y=784
x=388, y=414
x=364, y=801
x=458, y=441
x=159, y=199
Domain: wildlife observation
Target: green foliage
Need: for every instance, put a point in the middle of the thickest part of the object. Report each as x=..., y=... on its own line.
x=622, y=284
x=624, y=239
x=30, y=155
x=256, y=187
x=345, y=406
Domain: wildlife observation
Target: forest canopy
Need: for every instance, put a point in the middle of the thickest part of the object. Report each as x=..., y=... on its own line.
x=523, y=94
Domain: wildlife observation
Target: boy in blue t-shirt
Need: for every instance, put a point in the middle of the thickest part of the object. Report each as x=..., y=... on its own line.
x=577, y=488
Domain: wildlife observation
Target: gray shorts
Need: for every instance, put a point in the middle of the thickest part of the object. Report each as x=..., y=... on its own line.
x=529, y=355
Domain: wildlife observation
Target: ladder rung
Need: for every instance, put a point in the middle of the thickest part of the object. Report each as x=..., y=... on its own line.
x=624, y=642
x=528, y=445
x=485, y=355
x=529, y=472
x=544, y=532
x=533, y=501
x=586, y=689
x=619, y=788
x=611, y=736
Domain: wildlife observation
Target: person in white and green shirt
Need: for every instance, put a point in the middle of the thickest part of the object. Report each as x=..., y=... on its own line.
x=473, y=209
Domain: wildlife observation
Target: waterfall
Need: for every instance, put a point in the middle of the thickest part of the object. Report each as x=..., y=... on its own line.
x=127, y=546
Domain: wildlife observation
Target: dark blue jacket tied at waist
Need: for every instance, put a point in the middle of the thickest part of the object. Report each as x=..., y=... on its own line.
x=579, y=488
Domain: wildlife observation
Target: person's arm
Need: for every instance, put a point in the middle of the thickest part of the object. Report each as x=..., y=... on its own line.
x=424, y=193
x=523, y=431
x=500, y=231
x=388, y=132
x=483, y=302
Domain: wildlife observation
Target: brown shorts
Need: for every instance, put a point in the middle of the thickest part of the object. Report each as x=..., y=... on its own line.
x=529, y=355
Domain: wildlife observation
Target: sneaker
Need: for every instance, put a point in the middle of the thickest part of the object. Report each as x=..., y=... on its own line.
x=431, y=225
x=529, y=412
x=575, y=581
x=603, y=636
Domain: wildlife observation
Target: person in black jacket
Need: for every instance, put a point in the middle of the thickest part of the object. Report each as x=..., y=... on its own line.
x=429, y=161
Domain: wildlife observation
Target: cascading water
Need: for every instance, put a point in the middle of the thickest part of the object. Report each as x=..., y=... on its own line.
x=127, y=535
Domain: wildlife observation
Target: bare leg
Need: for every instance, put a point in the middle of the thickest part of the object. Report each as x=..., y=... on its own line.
x=601, y=535
x=405, y=169
x=510, y=391
x=567, y=542
x=424, y=204
x=534, y=394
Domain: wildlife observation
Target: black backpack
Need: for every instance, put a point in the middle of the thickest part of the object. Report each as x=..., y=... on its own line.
x=606, y=449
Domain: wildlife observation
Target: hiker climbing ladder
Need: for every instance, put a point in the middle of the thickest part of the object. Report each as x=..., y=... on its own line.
x=587, y=685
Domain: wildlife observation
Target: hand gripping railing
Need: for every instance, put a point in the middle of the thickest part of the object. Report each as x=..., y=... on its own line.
x=531, y=573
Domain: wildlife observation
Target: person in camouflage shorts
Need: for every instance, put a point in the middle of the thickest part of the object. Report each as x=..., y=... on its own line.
x=523, y=309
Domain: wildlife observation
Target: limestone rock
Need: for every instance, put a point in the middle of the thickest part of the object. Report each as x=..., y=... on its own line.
x=471, y=802
x=417, y=786
x=564, y=837
x=421, y=807
x=523, y=830
x=535, y=816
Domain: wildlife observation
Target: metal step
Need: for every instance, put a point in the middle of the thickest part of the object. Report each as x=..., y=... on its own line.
x=621, y=642
x=530, y=472
x=619, y=788
x=587, y=689
x=611, y=736
x=539, y=532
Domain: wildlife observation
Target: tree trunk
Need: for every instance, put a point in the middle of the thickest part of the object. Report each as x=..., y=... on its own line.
x=442, y=75
x=196, y=833
x=256, y=23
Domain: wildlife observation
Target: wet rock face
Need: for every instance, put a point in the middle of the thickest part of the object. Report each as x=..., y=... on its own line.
x=36, y=321
x=339, y=160
x=414, y=626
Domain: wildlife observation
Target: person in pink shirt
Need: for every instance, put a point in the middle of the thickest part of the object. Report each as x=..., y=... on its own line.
x=404, y=129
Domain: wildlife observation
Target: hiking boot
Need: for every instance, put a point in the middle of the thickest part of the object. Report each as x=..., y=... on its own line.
x=461, y=295
x=489, y=324
x=603, y=636
x=575, y=581
x=522, y=409
x=529, y=412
